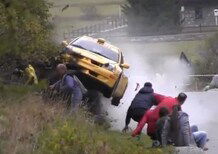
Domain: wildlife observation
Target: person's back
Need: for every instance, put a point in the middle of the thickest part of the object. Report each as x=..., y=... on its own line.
x=144, y=98
x=68, y=85
x=177, y=129
x=169, y=103
x=143, y=101
x=163, y=114
x=71, y=86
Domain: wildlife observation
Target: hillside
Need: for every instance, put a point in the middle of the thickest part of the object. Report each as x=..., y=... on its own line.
x=77, y=14
x=29, y=125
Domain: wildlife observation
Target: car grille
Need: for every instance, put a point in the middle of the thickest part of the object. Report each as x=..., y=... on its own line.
x=93, y=73
x=96, y=63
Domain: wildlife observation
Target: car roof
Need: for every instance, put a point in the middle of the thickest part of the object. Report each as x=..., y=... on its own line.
x=106, y=43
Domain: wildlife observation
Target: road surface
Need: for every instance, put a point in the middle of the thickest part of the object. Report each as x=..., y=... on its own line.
x=168, y=77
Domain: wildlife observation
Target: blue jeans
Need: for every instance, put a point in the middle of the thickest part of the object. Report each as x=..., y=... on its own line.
x=199, y=136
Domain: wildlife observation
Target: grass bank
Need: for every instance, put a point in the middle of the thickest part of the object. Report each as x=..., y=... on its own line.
x=29, y=125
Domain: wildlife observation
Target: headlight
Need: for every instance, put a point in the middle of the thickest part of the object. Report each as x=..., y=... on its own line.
x=110, y=67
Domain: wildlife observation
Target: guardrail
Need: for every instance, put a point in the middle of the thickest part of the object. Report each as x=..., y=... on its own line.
x=109, y=24
x=199, y=28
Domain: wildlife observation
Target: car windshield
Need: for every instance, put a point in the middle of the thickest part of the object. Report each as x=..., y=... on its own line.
x=96, y=48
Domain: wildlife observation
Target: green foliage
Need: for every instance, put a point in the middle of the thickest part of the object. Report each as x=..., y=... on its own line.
x=208, y=61
x=15, y=92
x=152, y=16
x=77, y=135
x=25, y=28
x=46, y=128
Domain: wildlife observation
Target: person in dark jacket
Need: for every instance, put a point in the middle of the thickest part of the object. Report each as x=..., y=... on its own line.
x=143, y=101
x=151, y=117
x=68, y=85
x=163, y=114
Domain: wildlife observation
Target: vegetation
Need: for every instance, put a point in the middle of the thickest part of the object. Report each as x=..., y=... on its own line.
x=30, y=125
x=25, y=28
x=207, y=63
x=152, y=16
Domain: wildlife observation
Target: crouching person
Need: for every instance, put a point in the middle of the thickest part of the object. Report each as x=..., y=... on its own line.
x=177, y=131
x=142, y=102
x=164, y=115
x=68, y=85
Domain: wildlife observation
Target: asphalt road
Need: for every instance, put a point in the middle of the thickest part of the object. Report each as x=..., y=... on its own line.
x=168, y=77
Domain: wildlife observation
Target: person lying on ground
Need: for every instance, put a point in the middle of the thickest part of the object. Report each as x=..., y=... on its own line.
x=177, y=131
x=153, y=116
x=142, y=102
x=68, y=85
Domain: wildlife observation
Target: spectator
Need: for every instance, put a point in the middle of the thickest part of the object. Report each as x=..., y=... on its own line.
x=69, y=85
x=153, y=116
x=163, y=114
x=177, y=131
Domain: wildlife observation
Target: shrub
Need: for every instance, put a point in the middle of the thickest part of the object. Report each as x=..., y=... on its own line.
x=149, y=17
x=25, y=28
x=208, y=63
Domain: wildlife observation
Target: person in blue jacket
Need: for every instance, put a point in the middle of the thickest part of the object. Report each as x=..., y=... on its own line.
x=68, y=85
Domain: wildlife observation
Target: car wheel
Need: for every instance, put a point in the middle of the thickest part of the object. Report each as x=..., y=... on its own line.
x=115, y=101
x=107, y=94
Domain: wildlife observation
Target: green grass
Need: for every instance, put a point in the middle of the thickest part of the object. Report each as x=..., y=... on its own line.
x=77, y=135
x=74, y=17
x=29, y=125
x=62, y=2
x=18, y=91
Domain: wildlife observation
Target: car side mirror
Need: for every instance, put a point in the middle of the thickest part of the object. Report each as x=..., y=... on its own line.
x=124, y=65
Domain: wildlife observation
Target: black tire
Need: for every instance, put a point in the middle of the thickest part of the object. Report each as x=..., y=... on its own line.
x=115, y=101
x=107, y=93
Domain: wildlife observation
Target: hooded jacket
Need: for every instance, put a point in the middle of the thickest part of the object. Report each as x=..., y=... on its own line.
x=184, y=136
x=144, y=98
x=152, y=116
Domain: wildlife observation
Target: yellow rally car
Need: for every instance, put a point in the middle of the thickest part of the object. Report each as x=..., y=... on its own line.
x=101, y=65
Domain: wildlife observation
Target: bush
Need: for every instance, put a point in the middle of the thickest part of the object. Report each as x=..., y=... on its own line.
x=78, y=135
x=30, y=125
x=208, y=63
x=151, y=17
x=25, y=28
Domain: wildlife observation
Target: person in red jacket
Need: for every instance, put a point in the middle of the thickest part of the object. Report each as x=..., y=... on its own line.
x=151, y=116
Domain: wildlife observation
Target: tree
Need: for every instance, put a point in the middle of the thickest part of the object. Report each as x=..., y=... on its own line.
x=25, y=28
x=152, y=16
x=208, y=61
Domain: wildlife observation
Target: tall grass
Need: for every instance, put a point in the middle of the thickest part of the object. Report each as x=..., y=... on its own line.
x=30, y=125
x=76, y=134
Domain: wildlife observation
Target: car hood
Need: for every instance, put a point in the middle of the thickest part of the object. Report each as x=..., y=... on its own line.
x=93, y=56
